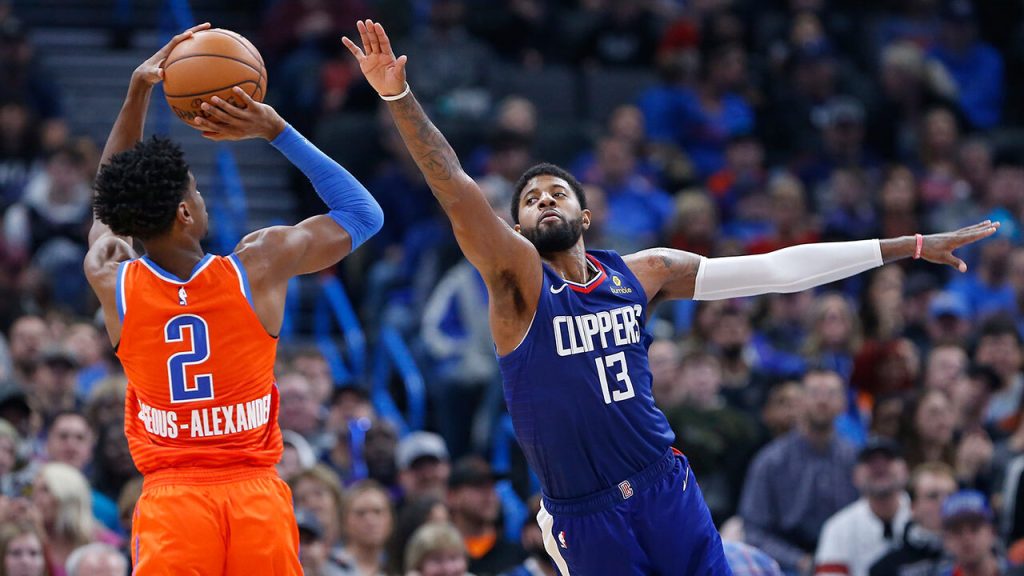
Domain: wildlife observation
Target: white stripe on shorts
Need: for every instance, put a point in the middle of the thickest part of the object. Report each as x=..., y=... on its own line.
x=547, y=526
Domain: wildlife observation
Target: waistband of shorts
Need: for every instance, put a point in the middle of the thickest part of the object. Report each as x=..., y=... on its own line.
x=205, y=476
x=621, y=492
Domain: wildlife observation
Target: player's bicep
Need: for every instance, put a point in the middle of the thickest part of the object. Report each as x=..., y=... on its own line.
x=310, y=246
x=665, y=273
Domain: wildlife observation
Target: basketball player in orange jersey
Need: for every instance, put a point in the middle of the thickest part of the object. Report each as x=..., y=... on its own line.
x=197, y=336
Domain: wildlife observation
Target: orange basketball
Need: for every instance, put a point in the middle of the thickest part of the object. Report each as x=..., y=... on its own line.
x=210, y=64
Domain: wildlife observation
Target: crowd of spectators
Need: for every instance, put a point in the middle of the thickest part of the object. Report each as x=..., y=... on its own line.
x=875, y=426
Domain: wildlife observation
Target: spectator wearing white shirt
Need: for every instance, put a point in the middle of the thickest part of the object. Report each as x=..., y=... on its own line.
x=861, y=533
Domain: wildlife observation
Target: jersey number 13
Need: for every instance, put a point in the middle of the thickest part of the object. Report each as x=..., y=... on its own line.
x=606, y=364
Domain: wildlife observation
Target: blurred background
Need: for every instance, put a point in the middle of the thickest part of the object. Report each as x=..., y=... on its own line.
x=721, y=127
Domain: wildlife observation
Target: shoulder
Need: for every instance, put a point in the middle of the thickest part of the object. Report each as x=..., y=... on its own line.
x=105, y=256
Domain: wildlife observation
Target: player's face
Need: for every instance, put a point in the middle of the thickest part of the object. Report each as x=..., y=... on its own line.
x=550, y=216
x=24, y=556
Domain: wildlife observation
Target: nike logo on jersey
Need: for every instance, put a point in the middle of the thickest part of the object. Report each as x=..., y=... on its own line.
x=559, y=289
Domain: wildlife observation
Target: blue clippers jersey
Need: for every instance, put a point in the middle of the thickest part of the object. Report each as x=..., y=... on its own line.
x=578, y=387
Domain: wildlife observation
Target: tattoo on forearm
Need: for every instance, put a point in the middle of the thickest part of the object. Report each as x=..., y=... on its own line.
x=427, y=145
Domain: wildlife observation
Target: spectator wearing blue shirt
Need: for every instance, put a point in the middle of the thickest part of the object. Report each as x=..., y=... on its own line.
x=976, y=66
x=701, y=120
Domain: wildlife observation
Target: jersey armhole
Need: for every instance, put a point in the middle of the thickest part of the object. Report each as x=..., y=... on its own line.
x=120, y=289
x=243, y=279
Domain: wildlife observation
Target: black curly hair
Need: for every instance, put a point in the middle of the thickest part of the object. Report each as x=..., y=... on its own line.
x=138, y=191
x=546, y=169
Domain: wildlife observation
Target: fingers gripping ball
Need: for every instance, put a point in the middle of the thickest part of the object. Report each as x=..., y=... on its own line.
x=210, y=64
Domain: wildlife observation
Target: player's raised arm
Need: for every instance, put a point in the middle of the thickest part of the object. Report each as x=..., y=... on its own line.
x=316, y=243
x=128, y=128
x=670, y=274
x=487, y=241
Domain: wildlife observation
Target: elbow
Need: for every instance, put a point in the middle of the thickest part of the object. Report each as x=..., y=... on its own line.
x=374, y=218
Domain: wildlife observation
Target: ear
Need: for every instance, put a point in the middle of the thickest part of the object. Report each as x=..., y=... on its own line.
x=518, y=229
x=184, y=214
x=586, y=219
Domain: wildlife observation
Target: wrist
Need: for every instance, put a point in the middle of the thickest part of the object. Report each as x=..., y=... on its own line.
x=277, y=127
x=392, y=97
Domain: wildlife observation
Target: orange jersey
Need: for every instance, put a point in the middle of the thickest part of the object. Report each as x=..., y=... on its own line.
x=200, y=368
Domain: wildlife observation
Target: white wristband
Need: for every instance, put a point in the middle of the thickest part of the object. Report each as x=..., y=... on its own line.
x=396, y=96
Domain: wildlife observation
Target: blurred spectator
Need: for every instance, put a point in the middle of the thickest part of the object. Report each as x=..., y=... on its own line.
x=26, y=81
x=926, y=431
x=976, y=66
x=413, y=514
x=624, y=36
x=380, y=444
x=523, y=32
x=701, y=120
x=450, y=65
x=60, y=495
x=972, y=395
x=999, y=347
x=71, y=440
x=319, y=491
x=639, y=211
x=97, y=559
x=424, y=465
x=27, y=338
x=51, y=386
x=293, y=25
x=314, y=553
x=665, y=356
x=719, y=439
x=436, y=549
x=790, y=222
x=920, y=549
x=839, y=142
x=475, y=511
x=969, y=536
x=834, y=335
x=22, y=549
x=311, y=363
x=846, y=208
x=859, y=534
x=801, y=479
x=944, y=368
x=297, y=455
x=91, y=350
x=887, y=415
x=694, y=226
x=366, y=521
x=949, y=320
x=783, y=409
x=299, y=409
x=537, y=563
x=456, y=333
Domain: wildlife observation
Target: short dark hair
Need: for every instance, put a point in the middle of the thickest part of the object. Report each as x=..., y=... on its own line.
x=999, y=326
x=138, y=191
x=546, y=169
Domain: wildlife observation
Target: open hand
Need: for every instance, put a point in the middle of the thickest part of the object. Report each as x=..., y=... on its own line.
x=382, y=70
x=230, y=121
x=151, y=71
x=938, y=248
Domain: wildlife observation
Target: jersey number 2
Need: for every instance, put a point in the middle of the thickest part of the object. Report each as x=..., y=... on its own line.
x=201, y=386
x=608, y=362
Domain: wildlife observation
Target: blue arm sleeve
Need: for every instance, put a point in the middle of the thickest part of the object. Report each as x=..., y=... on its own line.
x=351, y=205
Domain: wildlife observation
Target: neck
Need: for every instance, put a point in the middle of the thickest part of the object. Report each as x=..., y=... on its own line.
x=178, y=258
x=471, y=528
x=885, y=507
x=988, y=566
x=366, y=557
x=819, y=438
x=571, y=264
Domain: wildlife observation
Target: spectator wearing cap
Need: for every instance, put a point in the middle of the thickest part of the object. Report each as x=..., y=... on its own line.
x=840, y=142
x=969, y=537
x=859, y=534
x=314, y=553
x=976, y=67
x=920, y=550
x=949, y=320
x=53, y=383
x=423, y=465
x=297, y=455
x=801, y=479
x=15, y=409
x=475, y=511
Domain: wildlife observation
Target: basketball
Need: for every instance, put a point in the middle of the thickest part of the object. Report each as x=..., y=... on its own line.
x=211, y=64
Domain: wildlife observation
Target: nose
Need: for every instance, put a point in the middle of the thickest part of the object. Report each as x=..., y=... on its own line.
x=545, y=200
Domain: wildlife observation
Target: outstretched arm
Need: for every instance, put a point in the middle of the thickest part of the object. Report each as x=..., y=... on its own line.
x=128, y=127
x=487, y=241
x=280, y=252
x=672, y=274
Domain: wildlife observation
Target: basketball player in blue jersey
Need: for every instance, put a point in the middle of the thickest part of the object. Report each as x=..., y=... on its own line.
x=569, y=330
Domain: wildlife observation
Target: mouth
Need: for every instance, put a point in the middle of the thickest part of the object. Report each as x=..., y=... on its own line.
x=550, y=215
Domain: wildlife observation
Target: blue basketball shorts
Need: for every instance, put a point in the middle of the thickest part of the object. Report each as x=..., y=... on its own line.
x=653, y=524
